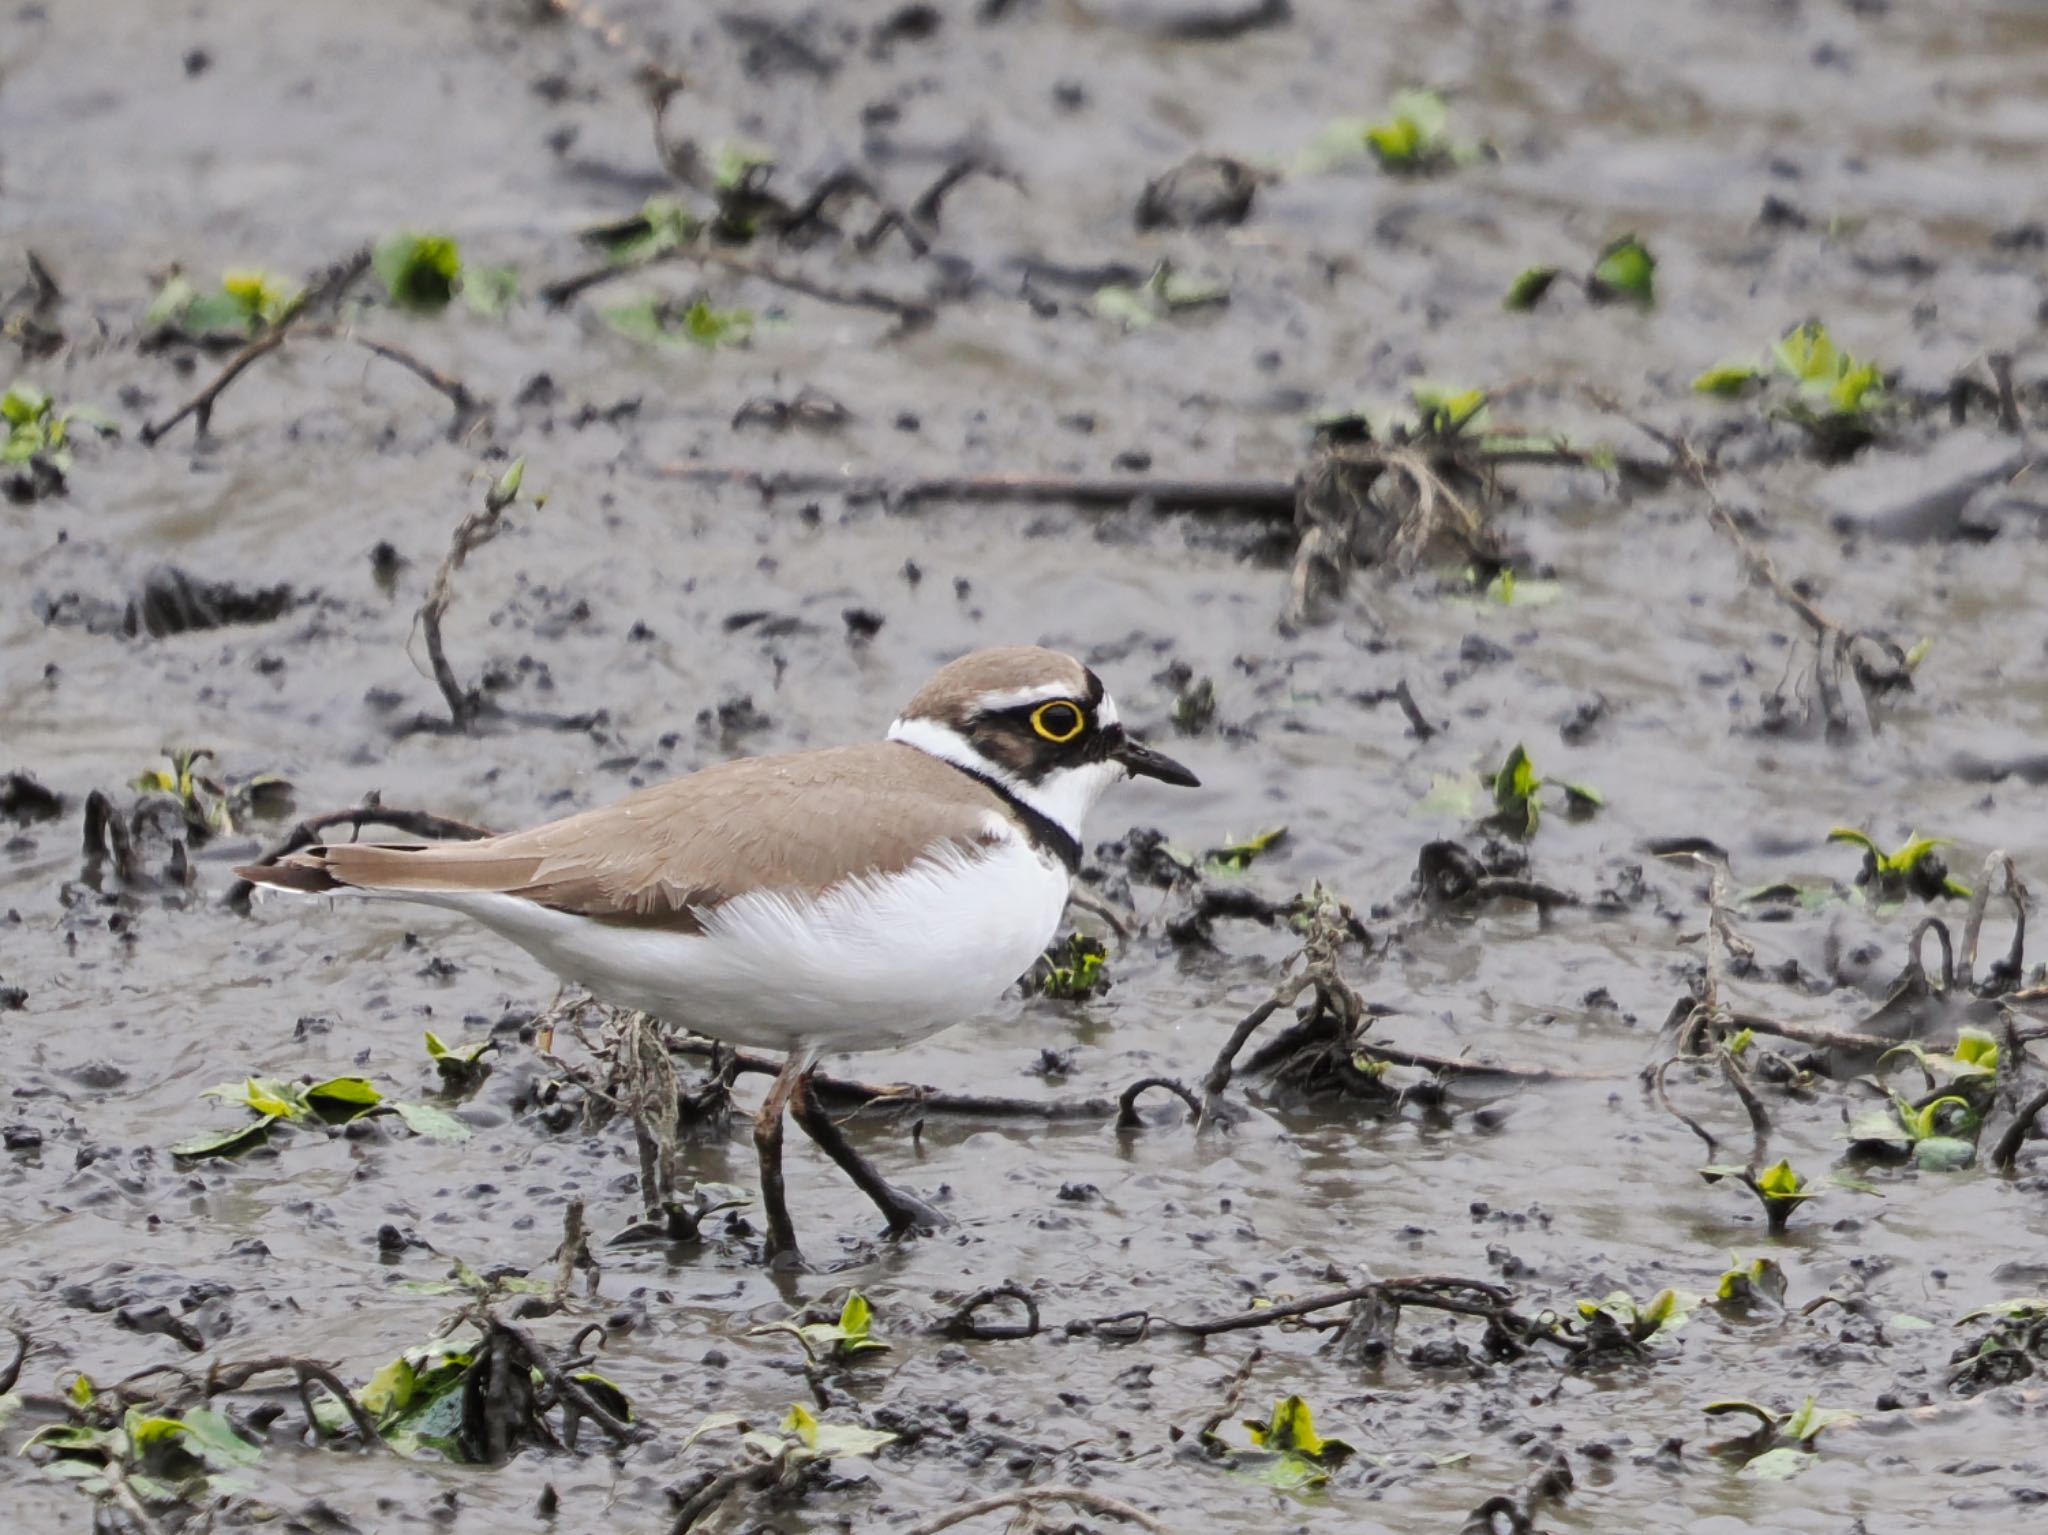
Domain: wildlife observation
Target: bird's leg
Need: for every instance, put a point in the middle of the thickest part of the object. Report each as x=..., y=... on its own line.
x=905, y=1213
x=768, y=1145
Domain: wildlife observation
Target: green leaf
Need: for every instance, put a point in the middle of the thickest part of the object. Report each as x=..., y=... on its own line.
x=1778, y=1465
x=1237, y=855
x=1728, y=378
x=828, y=1441
x=713, y=1424
x=226, y=1143
x=1514, y=792
x=505, y=490
x=340, y=1099
x=2023, y=1308
x=24, y=404
x=1855, y=386
x=1445, y=410
x=1413, y=133
x=215, y=1440
x=1181, y=290
x=169, y=306
x=425, y=1119
x=263, y=296
x=217, y=314
x=1625, y=270
x=1808, y=353
x=1806, y=1422
x=664, y=322
x=262, y=1095
x=458, y=1064
x=389, y=1390
x=734, y=164
x=81, y=1390
x=607, y=1394
x=490, y=290
x=419, y=271
x=1528, y=288
x=1291, y=1430
x=1943, y=1153
x=1976, y=1049
x=1759, y=1280
x=661, y=225
x=1779, y=1181
x=1123, y=305
x=1852, y=835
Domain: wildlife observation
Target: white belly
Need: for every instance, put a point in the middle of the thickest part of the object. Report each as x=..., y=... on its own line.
x=872, y=964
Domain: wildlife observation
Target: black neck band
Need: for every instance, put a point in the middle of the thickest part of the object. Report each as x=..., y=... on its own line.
x=1042, y=829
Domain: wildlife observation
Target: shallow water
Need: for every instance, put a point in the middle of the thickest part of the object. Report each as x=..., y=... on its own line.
x=1908, y=137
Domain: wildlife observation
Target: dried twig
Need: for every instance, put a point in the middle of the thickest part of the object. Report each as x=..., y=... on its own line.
x=1127, y=1105
x=2007, y=1152
x=965, y=1322
x=307, y=1373
x=474, y=531
x=1269, y=498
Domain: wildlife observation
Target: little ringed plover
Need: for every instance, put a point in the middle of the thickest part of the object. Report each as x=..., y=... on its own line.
x=854, y=898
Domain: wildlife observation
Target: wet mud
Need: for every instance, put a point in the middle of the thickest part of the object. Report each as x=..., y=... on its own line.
x=1511, y=1036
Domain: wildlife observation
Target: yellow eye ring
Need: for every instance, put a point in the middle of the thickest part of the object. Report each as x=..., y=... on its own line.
x=1059, y=721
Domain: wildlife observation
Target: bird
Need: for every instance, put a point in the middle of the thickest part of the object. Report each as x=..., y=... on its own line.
x=850, y=898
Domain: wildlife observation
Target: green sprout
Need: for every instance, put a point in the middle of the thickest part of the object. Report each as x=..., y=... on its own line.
x=461, y=1066
x=674, y=322
x=1777, y=1188
x=419, y=271
x=661, y=225
x=1835, y=394
x=1759, y=1282
x=1914, y=869
x=1625, y=271
x=334, y=1101
x=157, y=1460
x=212, y=805
x=1075, y=974
x=1728, y=379
x=1618, y=1320
x=801, y=1439
x=1781, y=1445
x=1412, y=139
x=1515, y=787
x=1939, y=1136
x=2014, y=1347
x=1444, y=410
x=1167, y=291
x=842, y=1341
x=39, y=432
x=1237, y=853
x=1287, y=1452
x=1529, y=286
x=248, y=301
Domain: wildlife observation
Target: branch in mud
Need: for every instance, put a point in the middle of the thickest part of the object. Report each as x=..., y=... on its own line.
x=416, y=823
x=1264, y=498
x=1450, y=876
x=2006, y=974
x=307, y=1373
x=12, y=1370
x=474, y=531
x=966, y=1322
x=1878, y=664
x=319, y=295
x=469, y=409
x=1127, y=1105
x=1516, y=1515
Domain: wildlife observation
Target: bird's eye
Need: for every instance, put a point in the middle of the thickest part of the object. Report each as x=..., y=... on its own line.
x=1058, y=721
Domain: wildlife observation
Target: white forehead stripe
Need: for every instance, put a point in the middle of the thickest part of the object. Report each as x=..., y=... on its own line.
x=1017, y=698
x=1064, y=796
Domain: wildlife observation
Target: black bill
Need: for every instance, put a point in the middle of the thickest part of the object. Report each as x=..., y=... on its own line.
x=1143, y=762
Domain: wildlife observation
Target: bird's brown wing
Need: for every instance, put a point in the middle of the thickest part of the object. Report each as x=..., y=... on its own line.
x=800, y=824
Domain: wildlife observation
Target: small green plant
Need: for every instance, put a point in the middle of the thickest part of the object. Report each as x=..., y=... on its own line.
x=1287, y=1453
x=1516, y=786
x=334, y=1101
x=841, y=1342
x=1413, y=139
x=1446, y=410
x=1757, y=1283
x=1780, y=1446
x=212, y=805
x=1914, y=869
x=801, y=1439
x=1075, y=972
x=461, y=1066
x=681, y=322
x=1836, y=395
x=1625, y=271
x=248, y=301
x=1939, y=1136
x=419, y=271
x=1619, y=1321
x=1166, y=292
x=1238, y=853
x=2013, y=1347
x=1778, y=1188
x=159, y=1460
x=38, y=432
x=661, y=225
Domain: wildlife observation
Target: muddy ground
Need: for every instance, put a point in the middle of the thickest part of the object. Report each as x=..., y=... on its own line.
x=1876, y=166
